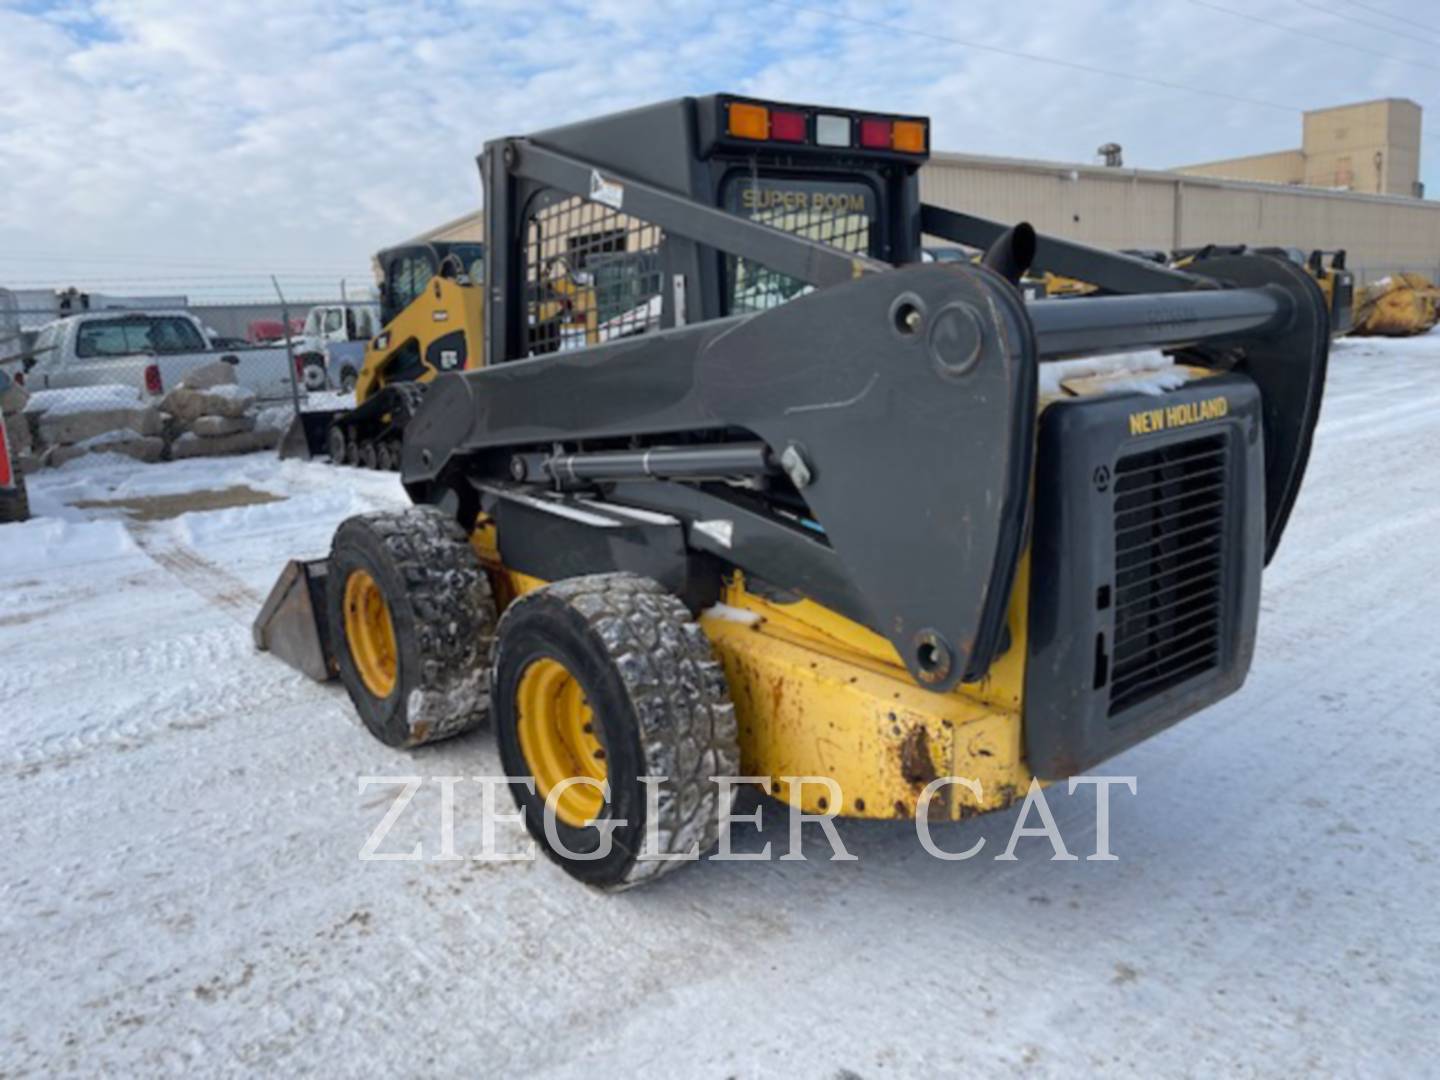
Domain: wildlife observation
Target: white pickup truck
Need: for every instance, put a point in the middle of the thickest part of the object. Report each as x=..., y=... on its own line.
x=150, y=350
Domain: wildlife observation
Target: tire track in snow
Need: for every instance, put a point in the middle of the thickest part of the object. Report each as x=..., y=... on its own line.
x=208, y=580
x=169, y=705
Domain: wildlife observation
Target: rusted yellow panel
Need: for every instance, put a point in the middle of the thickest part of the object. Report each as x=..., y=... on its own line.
x=507, y=585
x=819, y=695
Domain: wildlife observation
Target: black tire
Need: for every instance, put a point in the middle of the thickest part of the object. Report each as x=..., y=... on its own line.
x=369, y=456
x=348, y=379
x=335, y=443
x=658, y=698
x=352, y=450
x=313, y=375
x=14, y=501
x=384, y=458
x=443, y=616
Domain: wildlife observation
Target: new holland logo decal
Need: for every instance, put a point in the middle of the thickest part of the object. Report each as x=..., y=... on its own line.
x=1149, y=421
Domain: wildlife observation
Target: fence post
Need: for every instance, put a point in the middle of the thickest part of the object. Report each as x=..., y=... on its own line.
x=289, y=347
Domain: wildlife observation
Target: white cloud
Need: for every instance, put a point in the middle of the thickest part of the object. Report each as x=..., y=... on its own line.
x=305, y=134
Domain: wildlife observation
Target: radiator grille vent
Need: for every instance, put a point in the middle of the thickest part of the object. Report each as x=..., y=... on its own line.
x=1170, y=550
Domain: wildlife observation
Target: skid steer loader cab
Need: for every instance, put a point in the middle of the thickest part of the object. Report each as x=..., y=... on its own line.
x=800, y=510
x=430, y=310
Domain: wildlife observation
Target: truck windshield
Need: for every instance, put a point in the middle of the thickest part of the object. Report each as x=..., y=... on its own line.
x=839, y=213
x=131, y=334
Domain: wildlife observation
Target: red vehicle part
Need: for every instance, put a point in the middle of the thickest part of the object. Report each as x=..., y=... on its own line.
x=7, y=471
x=14, y=505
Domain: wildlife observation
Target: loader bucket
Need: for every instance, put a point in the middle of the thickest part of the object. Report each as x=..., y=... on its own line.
x=306, y=436
x=292, y=624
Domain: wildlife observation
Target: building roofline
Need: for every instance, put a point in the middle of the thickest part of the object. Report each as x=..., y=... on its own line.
x=1064, y=169
x=1362, y=104
x=1243, y=157
x=432, y=233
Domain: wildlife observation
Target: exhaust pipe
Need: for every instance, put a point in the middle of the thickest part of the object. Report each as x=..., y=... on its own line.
x=1012, y=252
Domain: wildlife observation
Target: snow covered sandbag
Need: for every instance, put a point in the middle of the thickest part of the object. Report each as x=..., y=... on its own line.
x=191, y=445
x=188, y=405
x=14, y=399
x=146, y=448
x=70, y=425
x=81, y=399
x=210, y=376
x=211, y=426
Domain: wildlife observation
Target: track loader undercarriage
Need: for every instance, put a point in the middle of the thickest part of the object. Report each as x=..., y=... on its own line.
x=833, y=464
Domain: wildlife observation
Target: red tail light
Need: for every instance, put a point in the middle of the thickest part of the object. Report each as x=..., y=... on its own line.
x=787, y=126
x=19, y=378
x=153, y=385
x=300, y=366
x=875, y=134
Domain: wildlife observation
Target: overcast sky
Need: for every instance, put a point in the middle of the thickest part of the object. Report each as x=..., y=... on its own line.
x=153, y=143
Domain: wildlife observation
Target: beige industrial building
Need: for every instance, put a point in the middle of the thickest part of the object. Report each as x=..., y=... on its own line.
x=1134, y=208
x=1121, y=208
x=1371, y=147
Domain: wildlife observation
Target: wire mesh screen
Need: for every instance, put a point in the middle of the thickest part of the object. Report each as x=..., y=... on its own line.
x=592, y=275
x=834, y=213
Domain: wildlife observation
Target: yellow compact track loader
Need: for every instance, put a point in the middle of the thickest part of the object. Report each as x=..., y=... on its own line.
x=1400, y=305
x=800, y=512
x=431, y=309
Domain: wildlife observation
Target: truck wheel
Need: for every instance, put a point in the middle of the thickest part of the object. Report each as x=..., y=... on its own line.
x=369, y=456
x=608, y=678
x=352, y=450
x=348, y=378
x=314, y=374
x=412, y=621
x=335, y=444
x=384, y=458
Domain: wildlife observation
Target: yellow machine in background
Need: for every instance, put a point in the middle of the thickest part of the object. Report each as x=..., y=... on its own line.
x=432, y=310
x=1397, y=306
x=1057, y=286
x=1327, y=268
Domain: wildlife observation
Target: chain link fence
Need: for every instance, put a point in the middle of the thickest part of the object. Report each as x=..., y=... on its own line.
x=160, y=378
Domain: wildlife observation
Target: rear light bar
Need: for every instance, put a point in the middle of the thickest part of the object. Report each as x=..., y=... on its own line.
x=755, y=121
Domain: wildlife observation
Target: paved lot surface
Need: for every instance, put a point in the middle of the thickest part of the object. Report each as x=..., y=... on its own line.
x=181, y=818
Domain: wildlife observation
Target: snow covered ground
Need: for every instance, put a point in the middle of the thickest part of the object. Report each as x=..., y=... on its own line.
x=181, y=889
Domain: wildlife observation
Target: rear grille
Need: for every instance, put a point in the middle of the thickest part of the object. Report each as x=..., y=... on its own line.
x=1170, y=507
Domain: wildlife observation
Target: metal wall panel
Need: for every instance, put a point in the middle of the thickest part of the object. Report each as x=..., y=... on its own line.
x=1125, y=208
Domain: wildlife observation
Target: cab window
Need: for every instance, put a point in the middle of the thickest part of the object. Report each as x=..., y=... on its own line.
x=841, y=214
x=409, y=273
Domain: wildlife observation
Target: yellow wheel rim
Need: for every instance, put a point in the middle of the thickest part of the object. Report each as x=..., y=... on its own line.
x=370, y=634
x=559, y=740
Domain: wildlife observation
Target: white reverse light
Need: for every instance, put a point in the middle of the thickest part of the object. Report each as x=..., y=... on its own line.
x=832, y=130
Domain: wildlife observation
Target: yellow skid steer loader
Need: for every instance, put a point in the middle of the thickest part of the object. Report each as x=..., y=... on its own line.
x=799, y=511
x=431, y=310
